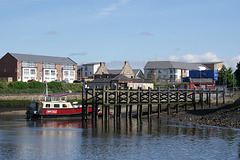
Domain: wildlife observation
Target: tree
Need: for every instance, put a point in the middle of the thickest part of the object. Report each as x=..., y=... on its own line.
x=226, y=77
x=237, y=74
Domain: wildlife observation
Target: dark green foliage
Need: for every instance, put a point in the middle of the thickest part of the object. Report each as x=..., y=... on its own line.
x=237, y=74
x=1, y=85
x=55, y=87
x=226, y=77
x=74, y=87
x=36, y=85
x=18, y=85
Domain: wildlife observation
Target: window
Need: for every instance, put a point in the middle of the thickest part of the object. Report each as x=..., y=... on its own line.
x=65, y=73
x=28, y=64
x=71, y=73
x=47, y=105
x=53, y=72
x=17, y=70
x=48, y=65
x=5, y=70
x=68, y=67
x=26, y=71
x=46, y=72
x=32, y=71
x=56, y=105
x=64, y=106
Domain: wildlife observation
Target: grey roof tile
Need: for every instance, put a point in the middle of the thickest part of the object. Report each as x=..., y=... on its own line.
x=172, y=64
x=44, y=59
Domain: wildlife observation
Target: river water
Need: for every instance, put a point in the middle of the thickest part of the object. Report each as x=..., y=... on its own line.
x=152, y=139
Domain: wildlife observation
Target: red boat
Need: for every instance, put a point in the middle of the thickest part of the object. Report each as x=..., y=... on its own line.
x=55, y=107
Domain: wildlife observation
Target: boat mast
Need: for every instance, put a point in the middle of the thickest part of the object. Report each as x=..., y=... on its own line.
x=46, y=96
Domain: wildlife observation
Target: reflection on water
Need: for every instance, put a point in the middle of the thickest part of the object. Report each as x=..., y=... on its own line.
x=125, y=139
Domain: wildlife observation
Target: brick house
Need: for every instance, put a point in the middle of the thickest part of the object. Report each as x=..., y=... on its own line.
x=24, y=67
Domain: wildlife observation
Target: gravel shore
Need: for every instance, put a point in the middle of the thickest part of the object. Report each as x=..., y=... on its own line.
x=225, y=116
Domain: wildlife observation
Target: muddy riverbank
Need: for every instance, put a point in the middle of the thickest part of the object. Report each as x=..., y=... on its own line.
x=226, y=116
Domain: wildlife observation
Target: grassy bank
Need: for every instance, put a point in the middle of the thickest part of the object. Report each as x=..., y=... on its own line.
x=12, y=105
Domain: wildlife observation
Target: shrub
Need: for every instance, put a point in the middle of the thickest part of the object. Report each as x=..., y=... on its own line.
x=18, y=85
x=55, y=87
x=36, y=85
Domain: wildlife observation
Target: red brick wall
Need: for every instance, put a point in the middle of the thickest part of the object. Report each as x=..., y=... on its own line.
x=39, y=71
x=8, y=66
x=59, y=74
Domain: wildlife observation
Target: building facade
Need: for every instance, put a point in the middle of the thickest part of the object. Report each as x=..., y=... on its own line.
x=87, y=71
x=173, y=72
x=25, y=67
x=123, y=78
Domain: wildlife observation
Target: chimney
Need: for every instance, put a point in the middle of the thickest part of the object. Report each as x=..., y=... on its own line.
x=102, y=63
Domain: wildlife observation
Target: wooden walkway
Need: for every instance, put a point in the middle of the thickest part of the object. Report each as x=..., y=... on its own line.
x=127, y=98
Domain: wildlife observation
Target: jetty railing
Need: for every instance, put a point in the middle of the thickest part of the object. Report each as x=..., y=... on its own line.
x=117, y=98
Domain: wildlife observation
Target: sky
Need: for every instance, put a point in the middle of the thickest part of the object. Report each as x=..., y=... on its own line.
x=114, y=31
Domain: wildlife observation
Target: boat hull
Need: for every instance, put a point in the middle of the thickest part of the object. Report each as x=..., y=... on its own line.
x=58, y=113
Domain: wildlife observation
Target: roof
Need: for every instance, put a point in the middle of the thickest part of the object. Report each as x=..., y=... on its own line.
x=172, y=64
x=101, y=80
x=114, y=71
x=121, y=77
x=117, y=71
x=40, y=58
x=90, y=64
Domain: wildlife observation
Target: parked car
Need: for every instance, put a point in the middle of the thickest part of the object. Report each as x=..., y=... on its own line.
x=78, y=81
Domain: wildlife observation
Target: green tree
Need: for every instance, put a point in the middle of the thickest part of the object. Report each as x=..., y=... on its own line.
x=237, y=74
x=226, y=77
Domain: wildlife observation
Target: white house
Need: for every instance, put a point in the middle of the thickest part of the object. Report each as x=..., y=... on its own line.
x=168, y=71
x=87, y=71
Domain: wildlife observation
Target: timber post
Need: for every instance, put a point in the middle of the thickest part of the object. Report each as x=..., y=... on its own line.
x=209, y=103
x=201, y=98
x=159, y=102
x=94, y=107
x=194, y=99
x=168, y=101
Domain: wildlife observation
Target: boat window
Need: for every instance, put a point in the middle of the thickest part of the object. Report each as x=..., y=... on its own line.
x=64, y=106
x=56, y=105
x=47, y=105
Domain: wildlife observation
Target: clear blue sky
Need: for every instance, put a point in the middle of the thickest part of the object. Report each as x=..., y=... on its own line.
x=114, y=31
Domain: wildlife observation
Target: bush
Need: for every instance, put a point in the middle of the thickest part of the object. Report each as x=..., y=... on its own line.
x=18, y=85
x=55, y=87
x=36, y=85
x=1, y=85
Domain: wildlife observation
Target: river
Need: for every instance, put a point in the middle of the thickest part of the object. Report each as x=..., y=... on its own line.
x=152, y=139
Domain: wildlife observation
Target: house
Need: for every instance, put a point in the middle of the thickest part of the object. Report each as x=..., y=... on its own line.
x=118, y=78
x=87, y=71
x=138, y=73
x=173, y=72
x=168, y=71
x=24, y=67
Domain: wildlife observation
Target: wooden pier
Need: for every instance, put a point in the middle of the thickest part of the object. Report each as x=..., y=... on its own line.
x=145, y=99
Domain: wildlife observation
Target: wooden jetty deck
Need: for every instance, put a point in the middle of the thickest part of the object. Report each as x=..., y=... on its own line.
x=146, y=99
